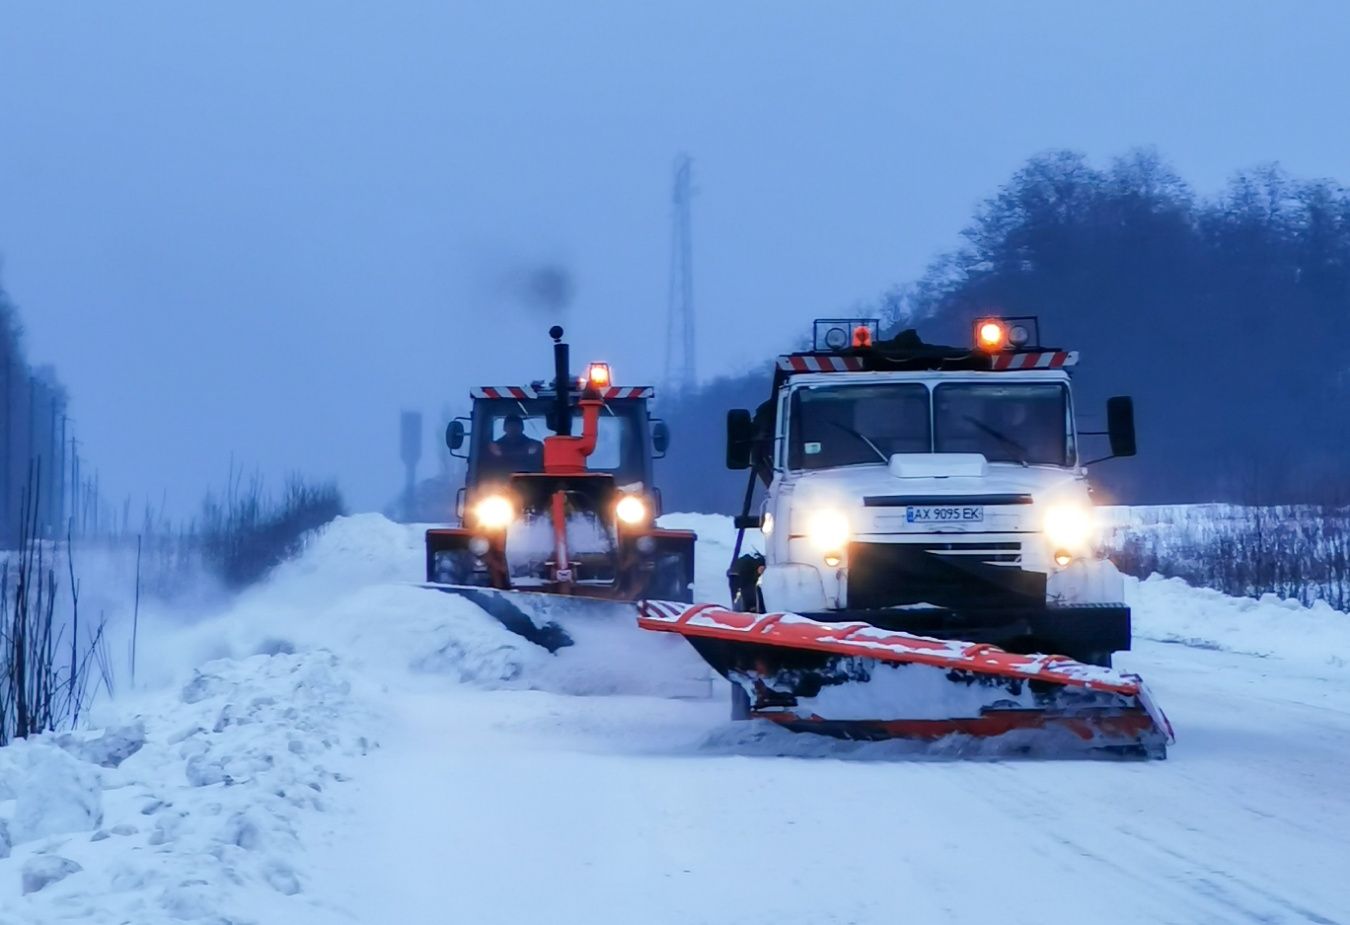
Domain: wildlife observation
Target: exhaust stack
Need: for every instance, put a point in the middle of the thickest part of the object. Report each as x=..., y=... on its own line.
x=562, y=384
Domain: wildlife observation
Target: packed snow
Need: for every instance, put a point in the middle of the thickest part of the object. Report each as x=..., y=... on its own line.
x=339, y=745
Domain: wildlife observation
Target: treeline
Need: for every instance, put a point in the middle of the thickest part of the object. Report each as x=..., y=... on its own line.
x=1299, y=553
x=33, y=438
x=1224, y=316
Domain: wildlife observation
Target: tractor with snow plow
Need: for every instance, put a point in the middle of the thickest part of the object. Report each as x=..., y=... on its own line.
x=928, y=533
x=547, y=517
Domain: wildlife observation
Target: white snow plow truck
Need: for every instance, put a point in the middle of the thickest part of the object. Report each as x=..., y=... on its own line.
x=928, y=530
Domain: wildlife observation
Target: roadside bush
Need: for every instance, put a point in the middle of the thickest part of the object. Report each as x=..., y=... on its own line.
x=245, y=534
x=46, y=665
x=1296, y=552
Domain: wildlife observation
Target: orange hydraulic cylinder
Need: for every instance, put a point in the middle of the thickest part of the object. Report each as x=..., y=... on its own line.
x=567, y=455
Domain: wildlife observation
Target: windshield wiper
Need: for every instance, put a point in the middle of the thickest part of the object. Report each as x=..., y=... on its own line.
x=861, y=436
x=1001, y=437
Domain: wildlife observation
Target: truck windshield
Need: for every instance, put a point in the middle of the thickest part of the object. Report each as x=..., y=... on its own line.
x=1021, y=422
x=847, y=425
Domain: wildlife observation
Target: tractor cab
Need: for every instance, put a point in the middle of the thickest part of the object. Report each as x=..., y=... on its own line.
x=506, y=431
x=505, y=436
x=558, y=494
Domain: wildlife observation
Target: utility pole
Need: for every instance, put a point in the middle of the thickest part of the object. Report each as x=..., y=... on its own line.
x=76, y=507
x=33, y=455
x=681, y=366
x=61, y=508
x=7, y=410
x=410, y=447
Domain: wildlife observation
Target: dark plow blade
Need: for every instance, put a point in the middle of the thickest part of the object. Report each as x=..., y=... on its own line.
x=855, y=681
x=506, y=611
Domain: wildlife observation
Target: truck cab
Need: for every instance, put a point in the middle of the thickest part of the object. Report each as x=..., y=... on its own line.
x=931, y=489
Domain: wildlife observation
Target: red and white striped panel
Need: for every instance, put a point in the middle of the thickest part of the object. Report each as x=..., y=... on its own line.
x=523, y=392
x=503, y=391
x=795, y=363
x=794, y=631
x=1045, y=359
x=628, y=391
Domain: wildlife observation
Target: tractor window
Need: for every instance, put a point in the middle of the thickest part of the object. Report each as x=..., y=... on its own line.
x=509, y=438
x=611, y=435
x=1024, y=422
x=534, y=427
x=856, y=424
x=611, y=438
x=515, y=444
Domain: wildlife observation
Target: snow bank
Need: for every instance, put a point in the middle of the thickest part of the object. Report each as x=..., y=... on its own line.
x=197, y=797
x=1170, y=610
x=203, y=821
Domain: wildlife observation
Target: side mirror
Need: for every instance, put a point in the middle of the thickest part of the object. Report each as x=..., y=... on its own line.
x=1120, y=425
x=454, y=435
x=660, y=437
x=740, y=438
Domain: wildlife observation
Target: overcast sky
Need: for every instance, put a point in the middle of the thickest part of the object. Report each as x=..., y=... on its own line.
x=260, y=229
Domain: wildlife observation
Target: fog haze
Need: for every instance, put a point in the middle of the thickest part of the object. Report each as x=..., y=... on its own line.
x=259, y=230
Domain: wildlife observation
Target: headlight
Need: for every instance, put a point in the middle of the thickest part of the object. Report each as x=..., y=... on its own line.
x=631, y=509
x=1068, y=525
x=494, y=512
x=827, y=529
x=766, y=525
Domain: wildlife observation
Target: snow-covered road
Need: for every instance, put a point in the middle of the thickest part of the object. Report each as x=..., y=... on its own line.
x=528, y=807
x=493, y=796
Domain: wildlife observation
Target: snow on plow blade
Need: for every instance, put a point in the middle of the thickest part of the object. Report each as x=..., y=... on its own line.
x=856, y=681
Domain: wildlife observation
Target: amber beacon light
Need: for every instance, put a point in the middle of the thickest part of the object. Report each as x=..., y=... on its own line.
x=991, y=334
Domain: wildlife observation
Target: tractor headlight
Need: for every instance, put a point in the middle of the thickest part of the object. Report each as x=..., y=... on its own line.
x=631, y=509
x=1068, y=525
x=495, y=512
x=827, y=529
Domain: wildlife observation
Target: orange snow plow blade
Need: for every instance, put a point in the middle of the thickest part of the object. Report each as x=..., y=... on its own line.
x=857, y=681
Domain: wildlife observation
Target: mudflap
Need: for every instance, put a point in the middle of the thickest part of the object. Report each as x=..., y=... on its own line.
x=672, y=565
x=857, y=681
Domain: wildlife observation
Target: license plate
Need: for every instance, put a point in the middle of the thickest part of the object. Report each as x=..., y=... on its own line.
x=944, y=513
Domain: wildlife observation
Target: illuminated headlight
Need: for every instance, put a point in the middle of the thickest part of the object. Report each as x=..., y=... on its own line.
x=827, y=529
x=766, y=525
x=1068, y=526
x=494, y=512
x=631, y=509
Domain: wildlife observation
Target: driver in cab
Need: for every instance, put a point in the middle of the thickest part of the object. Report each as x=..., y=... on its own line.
x=513, y=451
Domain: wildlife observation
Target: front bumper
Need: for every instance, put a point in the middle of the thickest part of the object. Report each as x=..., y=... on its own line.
x=1084, y=632
x=975, y=588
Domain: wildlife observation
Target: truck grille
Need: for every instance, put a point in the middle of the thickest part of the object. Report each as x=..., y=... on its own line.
x=907, y=500
x=1005, y=553
x=968, y=573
